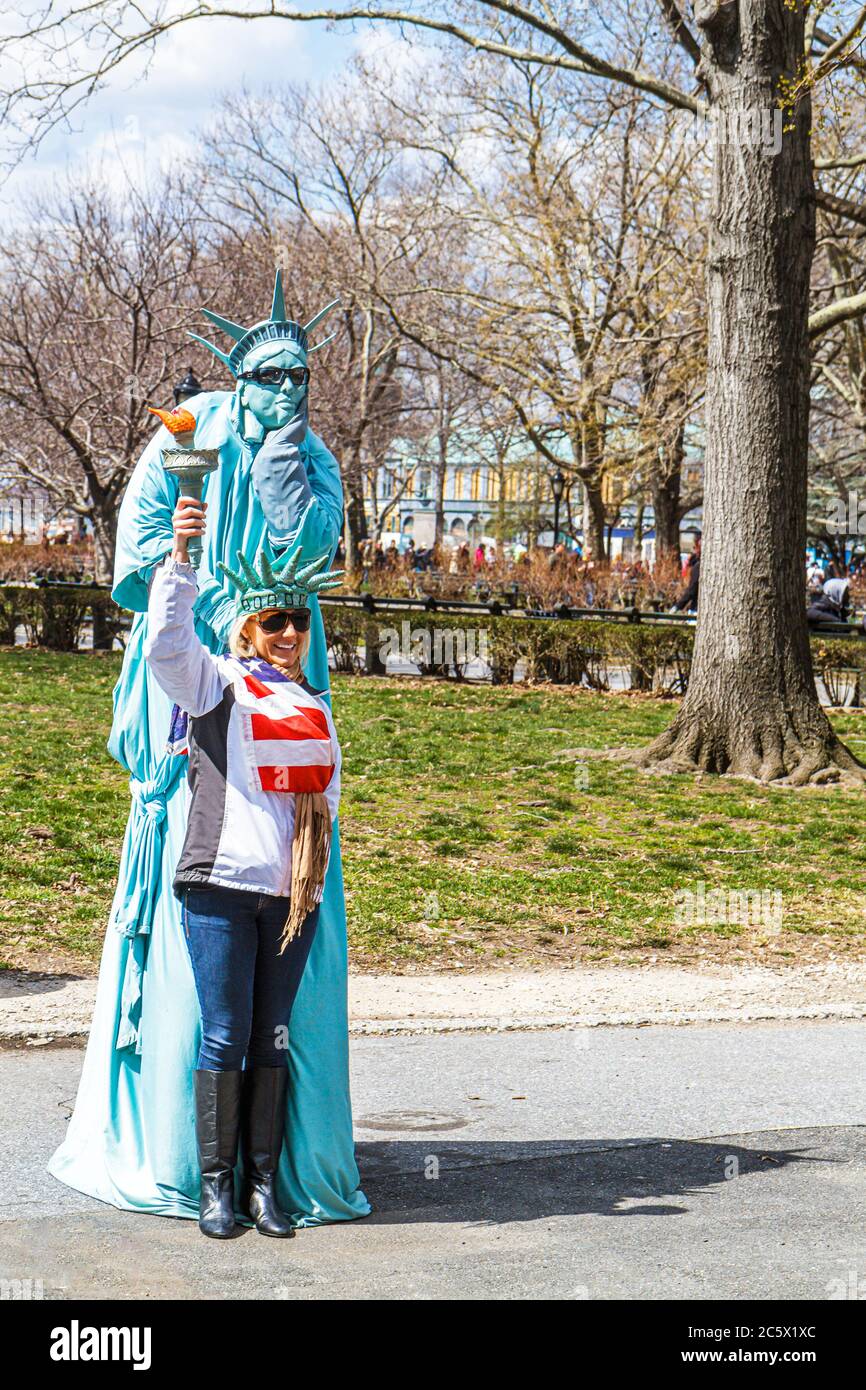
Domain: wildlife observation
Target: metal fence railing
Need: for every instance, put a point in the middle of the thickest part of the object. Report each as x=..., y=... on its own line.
x=500, y=608
x=493, y=607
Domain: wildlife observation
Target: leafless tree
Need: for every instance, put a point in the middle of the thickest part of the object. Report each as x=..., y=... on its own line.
x=577, y=291
x=838, y=434
x=305, y=171
x=95, y=293
x=449, y=413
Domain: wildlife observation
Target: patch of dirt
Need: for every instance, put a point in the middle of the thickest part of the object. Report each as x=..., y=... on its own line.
x=463, y=946
x=48, y=961
x=512, y=949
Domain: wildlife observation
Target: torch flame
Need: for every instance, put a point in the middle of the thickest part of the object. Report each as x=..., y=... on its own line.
x=177, y=421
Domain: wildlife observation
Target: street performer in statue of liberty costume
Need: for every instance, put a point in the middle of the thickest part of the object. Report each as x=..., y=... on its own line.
x=276, y=488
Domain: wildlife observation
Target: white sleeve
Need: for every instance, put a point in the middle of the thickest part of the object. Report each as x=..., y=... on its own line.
x=332, y=790
x=187, y=672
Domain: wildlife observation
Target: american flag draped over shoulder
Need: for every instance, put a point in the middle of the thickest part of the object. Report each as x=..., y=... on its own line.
x=285, y=732
x=178, y=731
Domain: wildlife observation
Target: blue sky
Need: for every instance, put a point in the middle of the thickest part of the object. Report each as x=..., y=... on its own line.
x=151, y=118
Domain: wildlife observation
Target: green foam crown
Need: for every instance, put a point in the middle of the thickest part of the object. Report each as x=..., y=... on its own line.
x=281, y=583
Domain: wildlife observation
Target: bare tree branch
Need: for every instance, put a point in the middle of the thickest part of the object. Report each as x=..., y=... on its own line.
x=840, y=207
x=680, y=29
x=106, y=39
x=842, y=162
x=840, y=311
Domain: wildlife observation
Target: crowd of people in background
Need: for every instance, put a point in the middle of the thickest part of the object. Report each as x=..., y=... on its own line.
x=576, y=579
x=547, y=577
x=542, y=577
x=376, y=557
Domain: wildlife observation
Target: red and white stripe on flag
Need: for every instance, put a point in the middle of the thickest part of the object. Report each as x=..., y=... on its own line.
x=291, y=751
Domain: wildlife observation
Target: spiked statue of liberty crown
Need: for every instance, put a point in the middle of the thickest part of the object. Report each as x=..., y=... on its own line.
x=280, y=583
x=275, y=329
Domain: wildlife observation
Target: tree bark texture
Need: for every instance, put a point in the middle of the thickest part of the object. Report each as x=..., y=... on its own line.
x=667, y=513
x=751, y=706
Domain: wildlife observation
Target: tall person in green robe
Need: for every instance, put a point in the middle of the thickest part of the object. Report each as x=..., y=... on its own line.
x=131, y=1139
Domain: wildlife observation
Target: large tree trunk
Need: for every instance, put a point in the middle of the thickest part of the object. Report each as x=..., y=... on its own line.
x=104, y=542
x=355, y=512
x=666, y=511
x=665, y=487
x=751, y=706
x=594, y=519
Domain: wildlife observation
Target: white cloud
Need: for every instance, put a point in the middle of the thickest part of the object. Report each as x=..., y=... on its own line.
x=392, y=52
x=149, y=118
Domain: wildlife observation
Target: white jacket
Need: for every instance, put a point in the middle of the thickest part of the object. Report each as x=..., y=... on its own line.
x=247, y=722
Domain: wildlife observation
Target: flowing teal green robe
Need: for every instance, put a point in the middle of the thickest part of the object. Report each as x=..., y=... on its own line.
x=131, y=1139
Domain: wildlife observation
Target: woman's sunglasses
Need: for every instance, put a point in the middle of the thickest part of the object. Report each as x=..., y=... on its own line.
x=281, y=617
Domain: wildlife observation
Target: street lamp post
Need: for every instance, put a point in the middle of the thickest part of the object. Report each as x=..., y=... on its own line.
x=186, y=388
x=557, y=483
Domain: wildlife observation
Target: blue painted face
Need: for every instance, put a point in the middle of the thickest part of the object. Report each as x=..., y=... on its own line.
x=272, y=406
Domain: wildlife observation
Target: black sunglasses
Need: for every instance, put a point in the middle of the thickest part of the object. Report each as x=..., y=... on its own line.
x=277, y=376
x=280, y=617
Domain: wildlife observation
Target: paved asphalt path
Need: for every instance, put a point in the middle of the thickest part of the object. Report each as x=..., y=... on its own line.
x=643, y=1163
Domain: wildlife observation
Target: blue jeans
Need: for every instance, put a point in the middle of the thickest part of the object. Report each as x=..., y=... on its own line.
x=245, y=988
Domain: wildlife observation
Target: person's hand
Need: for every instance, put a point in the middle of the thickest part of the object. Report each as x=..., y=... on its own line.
x=187, y=520
x=280, y=477
x=294, y=432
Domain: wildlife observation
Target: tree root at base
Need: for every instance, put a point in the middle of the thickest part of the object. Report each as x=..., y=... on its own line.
x=781, y=760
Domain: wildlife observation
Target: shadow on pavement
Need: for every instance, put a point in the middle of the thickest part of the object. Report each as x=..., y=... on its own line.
x=505, y=1182
x=16, y=984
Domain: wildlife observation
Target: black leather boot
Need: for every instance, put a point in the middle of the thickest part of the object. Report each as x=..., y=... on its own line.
x=263, y=1118
x=217, y=1120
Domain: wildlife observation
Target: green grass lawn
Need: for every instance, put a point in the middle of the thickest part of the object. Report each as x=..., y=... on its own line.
x=474, y=832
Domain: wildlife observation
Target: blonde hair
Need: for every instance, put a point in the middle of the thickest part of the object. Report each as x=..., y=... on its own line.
x=241, y=646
